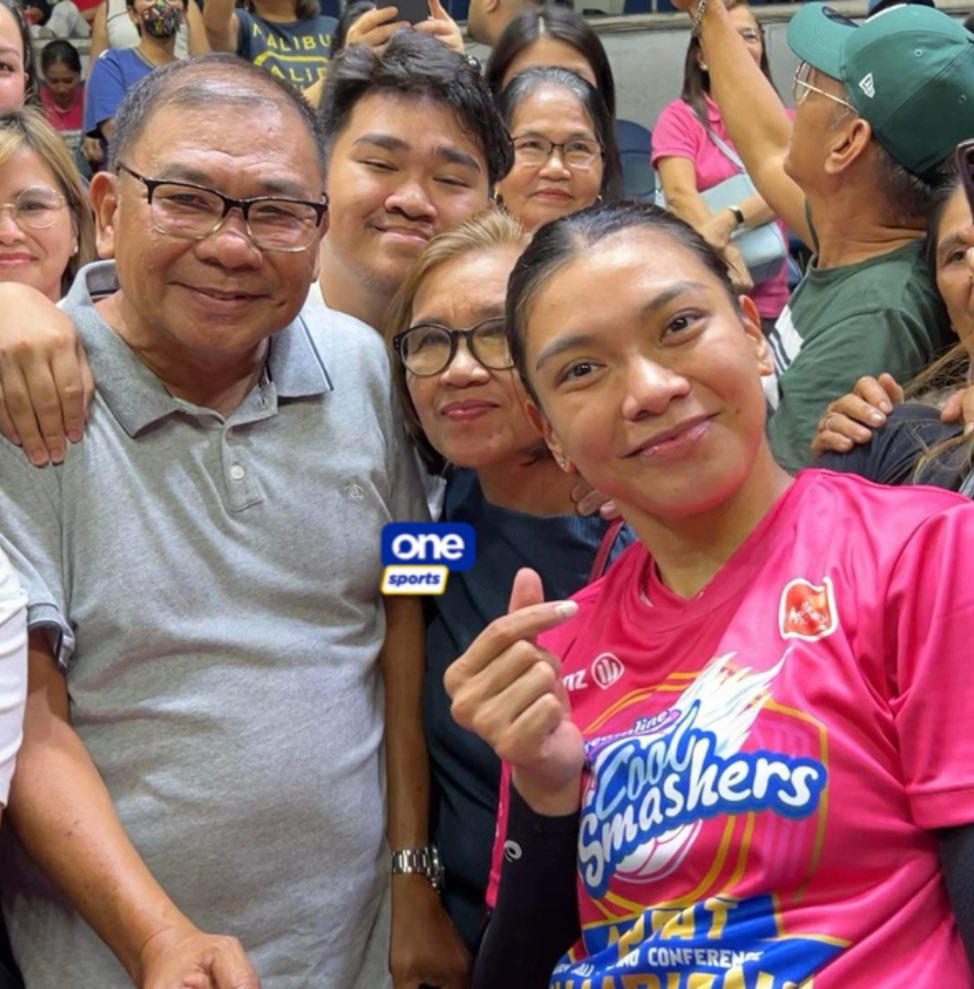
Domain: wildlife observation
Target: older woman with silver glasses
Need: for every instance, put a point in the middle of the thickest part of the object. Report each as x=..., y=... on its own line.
x=565, y=154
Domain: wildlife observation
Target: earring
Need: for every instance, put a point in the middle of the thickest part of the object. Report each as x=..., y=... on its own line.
x=703, y=67
x=565, y=464
x=74, y=247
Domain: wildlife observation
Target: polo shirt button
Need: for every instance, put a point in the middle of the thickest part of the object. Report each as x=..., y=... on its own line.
x=237, y=472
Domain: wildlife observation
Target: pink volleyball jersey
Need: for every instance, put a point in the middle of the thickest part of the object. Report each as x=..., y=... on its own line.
x=769, y=760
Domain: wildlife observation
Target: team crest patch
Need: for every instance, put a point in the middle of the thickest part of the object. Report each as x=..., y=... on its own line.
x=807, y=611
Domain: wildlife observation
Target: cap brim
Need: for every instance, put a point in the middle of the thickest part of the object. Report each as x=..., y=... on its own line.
x=816, y=35
x=878, y=6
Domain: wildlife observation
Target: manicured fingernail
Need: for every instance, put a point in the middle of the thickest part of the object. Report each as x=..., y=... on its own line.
x=38, y=458
x=885, y=406
x=877, y=417
x=74, y=435
x=57, y=455
x=567, y=608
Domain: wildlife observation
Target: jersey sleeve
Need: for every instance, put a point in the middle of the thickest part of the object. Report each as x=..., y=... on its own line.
x=677, y=133
x=13, y=672
x=104, y=91
x=929, y=609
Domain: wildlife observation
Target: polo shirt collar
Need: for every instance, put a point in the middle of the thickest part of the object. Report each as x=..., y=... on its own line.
x=136, y=397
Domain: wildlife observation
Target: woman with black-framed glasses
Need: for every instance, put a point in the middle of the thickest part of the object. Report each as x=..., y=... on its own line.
x=461, y=402
x=565, y=154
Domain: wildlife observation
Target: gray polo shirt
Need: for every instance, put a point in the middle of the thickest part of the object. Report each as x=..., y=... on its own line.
x=212, y=587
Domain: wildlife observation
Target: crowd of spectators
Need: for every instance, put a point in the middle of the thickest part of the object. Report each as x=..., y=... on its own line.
x=696, y=714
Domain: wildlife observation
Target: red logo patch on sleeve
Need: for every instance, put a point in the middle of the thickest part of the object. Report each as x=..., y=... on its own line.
x=807, y=611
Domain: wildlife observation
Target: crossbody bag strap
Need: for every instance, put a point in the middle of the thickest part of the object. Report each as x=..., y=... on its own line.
x=601, y=560
x=728, y=152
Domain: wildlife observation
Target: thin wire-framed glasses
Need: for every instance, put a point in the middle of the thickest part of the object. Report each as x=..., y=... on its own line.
x=581, y=153
x=428, y=348
x=35, y=209
x=801, y=87
x=194, y=212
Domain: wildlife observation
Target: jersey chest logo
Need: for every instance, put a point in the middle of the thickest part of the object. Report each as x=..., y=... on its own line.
x=807, y=611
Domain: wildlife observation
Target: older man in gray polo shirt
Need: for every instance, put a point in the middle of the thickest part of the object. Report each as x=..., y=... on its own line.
x=202, y=745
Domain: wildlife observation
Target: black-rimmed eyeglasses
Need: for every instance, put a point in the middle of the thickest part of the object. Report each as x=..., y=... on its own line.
x=428, y=348
x=578, y=153
x=194, y=212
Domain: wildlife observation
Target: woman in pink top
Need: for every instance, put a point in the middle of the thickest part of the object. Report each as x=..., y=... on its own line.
x=689, y=162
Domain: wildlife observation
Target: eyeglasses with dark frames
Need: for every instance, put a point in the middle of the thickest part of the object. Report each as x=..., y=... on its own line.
x=429, y=348
x=580, y=152
x=194, y=212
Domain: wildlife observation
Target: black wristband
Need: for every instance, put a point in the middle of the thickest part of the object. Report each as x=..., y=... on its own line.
x=738, y=214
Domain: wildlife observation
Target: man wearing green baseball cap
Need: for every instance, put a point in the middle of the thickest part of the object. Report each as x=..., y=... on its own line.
x=879, y=108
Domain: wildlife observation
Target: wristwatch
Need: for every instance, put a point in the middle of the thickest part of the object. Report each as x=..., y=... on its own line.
x=738, y=214
x=424, y=862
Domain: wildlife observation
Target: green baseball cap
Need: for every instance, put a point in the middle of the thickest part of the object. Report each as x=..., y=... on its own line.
x=908, y=70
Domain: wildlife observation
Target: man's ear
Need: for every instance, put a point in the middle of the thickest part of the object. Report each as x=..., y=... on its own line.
x=847, y=142
x=751, y=321
x=103, y=195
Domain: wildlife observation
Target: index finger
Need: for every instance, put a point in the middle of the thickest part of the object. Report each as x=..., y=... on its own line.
x=504, y=632
x=373, y=18
x=873, y=393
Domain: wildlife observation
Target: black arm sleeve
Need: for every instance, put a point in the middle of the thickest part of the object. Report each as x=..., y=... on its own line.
x=957, y=862
x=536, y=918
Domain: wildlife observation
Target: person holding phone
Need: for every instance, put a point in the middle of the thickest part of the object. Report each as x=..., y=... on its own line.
x=771, y=778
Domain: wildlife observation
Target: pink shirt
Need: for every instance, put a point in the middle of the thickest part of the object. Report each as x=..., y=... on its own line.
x=769, y=760
x=679, y=134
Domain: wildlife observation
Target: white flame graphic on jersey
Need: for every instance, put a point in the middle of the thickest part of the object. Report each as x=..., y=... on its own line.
x=729, y=702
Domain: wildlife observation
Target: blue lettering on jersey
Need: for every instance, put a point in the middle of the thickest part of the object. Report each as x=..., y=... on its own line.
x=647, y=786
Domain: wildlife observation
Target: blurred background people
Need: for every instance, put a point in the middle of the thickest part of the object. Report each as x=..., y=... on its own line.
x=689, y=162
x=112, y=27
x=551, y=36
x=117, y=69
x=289, y=38
x=63, y=94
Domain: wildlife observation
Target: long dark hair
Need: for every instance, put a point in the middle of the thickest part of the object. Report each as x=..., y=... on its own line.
x=526, y=82
x=696, y=82
x=561, y=24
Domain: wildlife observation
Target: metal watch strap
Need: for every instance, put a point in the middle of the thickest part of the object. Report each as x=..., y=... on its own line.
x=423, y=862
